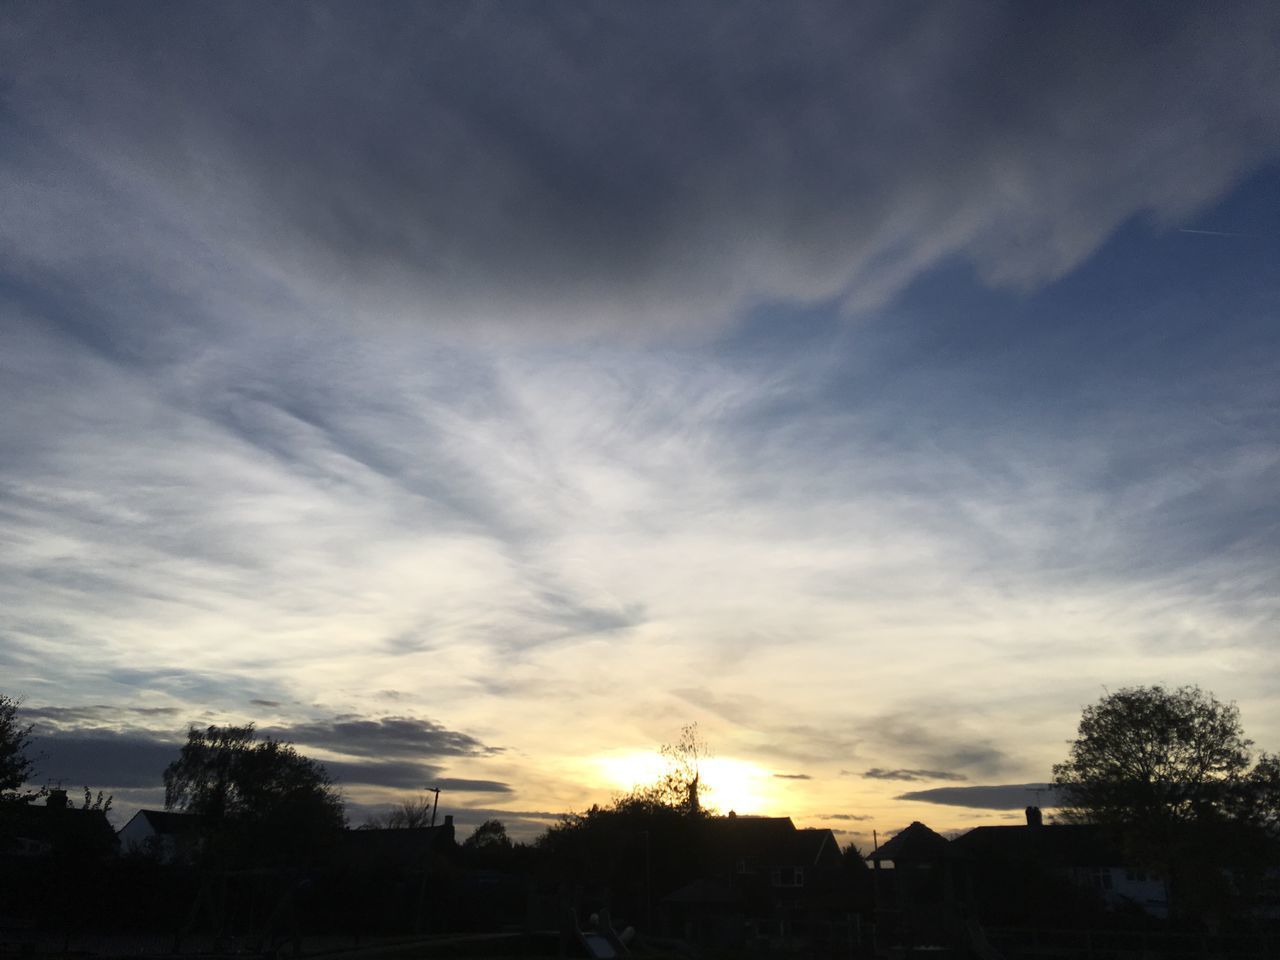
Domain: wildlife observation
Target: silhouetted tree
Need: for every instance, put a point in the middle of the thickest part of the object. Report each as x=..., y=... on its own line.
x=101, y=803
x=489, y=847
x=1167, y=772
x=1151, y=755
x=16, y=767
x=408, y=815
x=680, y=787
x=489, y=835
x=1259, y=796
x=261, y=798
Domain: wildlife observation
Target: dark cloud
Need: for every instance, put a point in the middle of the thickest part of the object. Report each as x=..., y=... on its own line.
x=876, y=773
x=264, y=703
x=845, y=816
x=398, y=737
x=104, y=759
x=593, y=164
x=407, y=775
x=792, y=776
x=112, y=759
x=471, y=786
x=398, y=774
x=1011, y=796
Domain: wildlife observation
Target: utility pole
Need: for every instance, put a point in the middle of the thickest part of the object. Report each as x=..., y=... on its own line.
x=436, y=805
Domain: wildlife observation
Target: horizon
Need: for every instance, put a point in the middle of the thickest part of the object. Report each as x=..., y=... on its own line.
x=472, y=395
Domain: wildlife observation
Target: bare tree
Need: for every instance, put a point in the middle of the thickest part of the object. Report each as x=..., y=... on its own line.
x=680, y=786
x=408, y=815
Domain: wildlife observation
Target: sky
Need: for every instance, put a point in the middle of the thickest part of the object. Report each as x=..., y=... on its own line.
x=474, y=394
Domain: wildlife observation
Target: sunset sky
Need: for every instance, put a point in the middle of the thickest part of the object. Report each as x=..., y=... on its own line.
x=474, y=394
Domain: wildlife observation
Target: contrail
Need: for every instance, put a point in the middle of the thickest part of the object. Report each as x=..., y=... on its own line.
x=1218, y=233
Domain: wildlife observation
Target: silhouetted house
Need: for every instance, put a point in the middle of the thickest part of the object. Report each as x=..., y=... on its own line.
x=763, y=882
x=917, y=883
x=411, y=848
x=1011, y=862
x=391, y=880
x=54, y=829
x=164, y=835
x=1024, y=874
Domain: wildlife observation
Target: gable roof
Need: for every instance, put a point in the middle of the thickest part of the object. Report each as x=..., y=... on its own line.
x=817, y=843
x=170, y=823
x=916, y=843
x=412, y=846
x=1067, y=845
x=774, y=841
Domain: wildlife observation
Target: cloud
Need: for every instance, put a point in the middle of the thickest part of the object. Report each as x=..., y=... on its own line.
x=103, y=759
x=792, y=776
x=87, y=745
x=1012, y=796
x=937, y=734
x=575, y=168
x=386, y=736
x=876, y=773
x=462, y=785
x=845, y=816
x=395, y=774
x=95, y=714
x=407, y=775
x=379, y=389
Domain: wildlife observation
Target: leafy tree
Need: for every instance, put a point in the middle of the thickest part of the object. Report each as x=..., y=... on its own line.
x=1167, y=771
x=1154, y=756
x=16, y=767
x=262, y=797
x=101, y=803
x=1257, y=799
x=490, y=835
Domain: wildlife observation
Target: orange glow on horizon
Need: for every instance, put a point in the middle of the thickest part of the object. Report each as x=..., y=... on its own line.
x=726, y=783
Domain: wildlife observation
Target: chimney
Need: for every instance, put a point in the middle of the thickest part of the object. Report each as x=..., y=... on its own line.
x=57, y=799
x=1034, y=817
x=448, y=820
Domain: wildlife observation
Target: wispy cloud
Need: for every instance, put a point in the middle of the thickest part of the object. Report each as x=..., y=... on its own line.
x=505, y=409
x=876, y=773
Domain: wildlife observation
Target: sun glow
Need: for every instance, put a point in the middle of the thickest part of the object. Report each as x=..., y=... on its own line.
x=725, y=783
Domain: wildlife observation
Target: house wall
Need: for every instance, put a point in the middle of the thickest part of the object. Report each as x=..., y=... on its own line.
x=135, y=835
x=1121, y=886
x=138, y=838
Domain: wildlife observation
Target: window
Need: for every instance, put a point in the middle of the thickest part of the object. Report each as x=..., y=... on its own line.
x=787, y=877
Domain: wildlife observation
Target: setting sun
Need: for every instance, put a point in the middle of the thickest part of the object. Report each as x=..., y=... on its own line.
x=725, y=783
